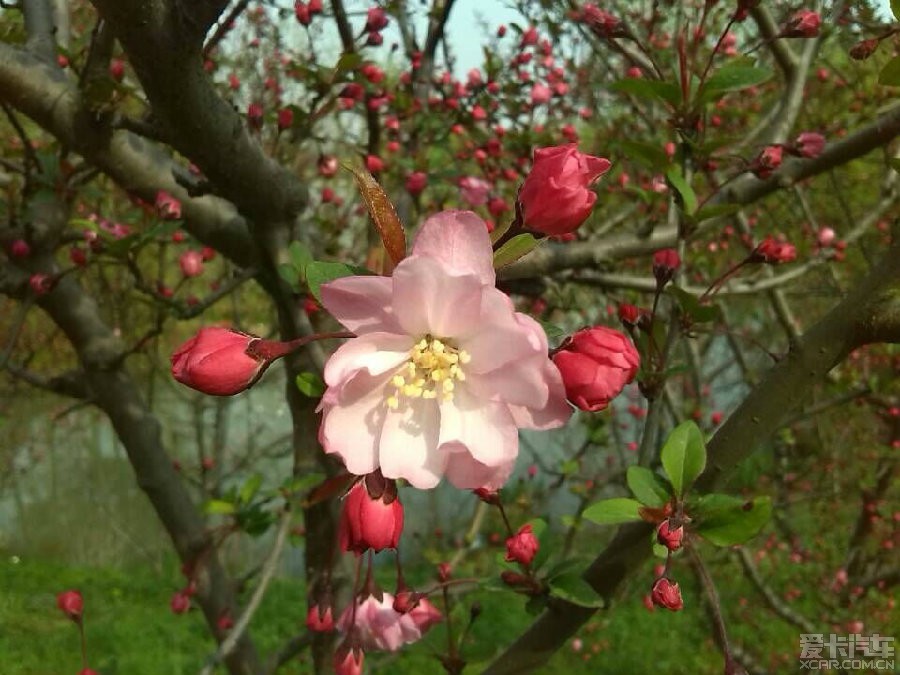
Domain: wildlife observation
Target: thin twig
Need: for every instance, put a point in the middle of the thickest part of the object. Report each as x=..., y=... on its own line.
x=268, y=572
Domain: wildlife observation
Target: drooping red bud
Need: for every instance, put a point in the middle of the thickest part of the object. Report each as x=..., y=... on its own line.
x=71, y=603
x=372, y=516
x=667, y=594
x=669, y=536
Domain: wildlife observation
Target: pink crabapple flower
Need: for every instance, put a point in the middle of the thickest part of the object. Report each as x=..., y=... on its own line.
x=378, y=626
x=474, y=191
x=443, y=372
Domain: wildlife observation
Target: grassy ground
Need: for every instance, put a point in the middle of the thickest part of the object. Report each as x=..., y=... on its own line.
x=131, y=630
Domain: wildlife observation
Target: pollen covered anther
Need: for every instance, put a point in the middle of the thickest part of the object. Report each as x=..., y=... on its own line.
x=433, y=369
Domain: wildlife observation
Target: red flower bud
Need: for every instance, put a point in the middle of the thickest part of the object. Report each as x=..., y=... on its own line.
x=767, y=161
x=809, y=144
x=285, y=119
x=348, y=660
x=863, y=50
x=665, y=263
x=41, y=284
x=320, y=619
x=804, y=23
x=596, y=364
x=191, y=263
x=556, y=197
x=71, y=603
x=666, y=594
x=372, y=516
x=444, y=572
x=773, y=252
x=78, y=256
x=629, y=315
x=216, y=361
x=376, y=19
x=167, y=207
x=255, y=115
x=669, y=537
x=302, y=13
x=416, y=182
x=374, y=163
x=180, y=603
x=117, y=69
x=522, y=546
x=19, y=248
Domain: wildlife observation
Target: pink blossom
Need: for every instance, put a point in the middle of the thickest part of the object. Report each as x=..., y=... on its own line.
x=377, y=625
x=443, y=372
x=826, y=237
x=474, y=191
x=540, y=94
x=191, y=263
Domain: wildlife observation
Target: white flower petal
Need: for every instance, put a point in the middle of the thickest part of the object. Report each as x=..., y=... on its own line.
x=351, y=428
x=428, y=299
x=376, y=353
x=408, y=446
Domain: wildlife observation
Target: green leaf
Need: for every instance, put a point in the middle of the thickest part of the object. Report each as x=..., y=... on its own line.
x=650, y=89
x=733, y=77
x=347, y=61
x=290, y=274
x=310, y=384
x=688, y=197
x=573, y=588
x=613, y=511
x=724, y=520
x=684, y=456
x=691, y=306
x=514, y=249
x=218, y=507
x=895, y=9
x=890, y=74
x=319, y=272
x=250, y=488
x=301, y=256
x=649, y=489
x=553, y=331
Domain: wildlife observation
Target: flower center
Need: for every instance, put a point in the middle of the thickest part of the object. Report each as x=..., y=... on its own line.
x=433, y=369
